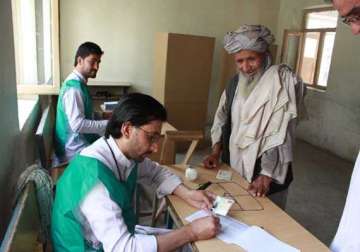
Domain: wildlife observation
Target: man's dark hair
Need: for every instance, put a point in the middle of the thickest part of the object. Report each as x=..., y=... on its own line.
x=136, y=108
x=87, y=48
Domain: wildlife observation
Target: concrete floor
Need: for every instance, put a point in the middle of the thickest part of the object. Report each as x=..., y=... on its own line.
x=317, y=195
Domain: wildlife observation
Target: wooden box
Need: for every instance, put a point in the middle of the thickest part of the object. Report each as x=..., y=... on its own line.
x=182, y=73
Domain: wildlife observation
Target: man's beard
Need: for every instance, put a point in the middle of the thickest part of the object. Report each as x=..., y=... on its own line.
x=249, y=78
x=248, y=82
x=92, y=74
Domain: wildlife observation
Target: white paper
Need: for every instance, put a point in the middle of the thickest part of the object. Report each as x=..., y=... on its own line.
x=224, y=175
x=256, y=239
x=252, y=239
x=197, y=215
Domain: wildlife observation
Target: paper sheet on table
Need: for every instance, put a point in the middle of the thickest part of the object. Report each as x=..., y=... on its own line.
x=252, y=239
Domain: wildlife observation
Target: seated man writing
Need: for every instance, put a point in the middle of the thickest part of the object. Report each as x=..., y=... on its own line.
x=93, y=207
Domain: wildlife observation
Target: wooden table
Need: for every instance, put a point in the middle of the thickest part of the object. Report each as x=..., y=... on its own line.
x=271, y=218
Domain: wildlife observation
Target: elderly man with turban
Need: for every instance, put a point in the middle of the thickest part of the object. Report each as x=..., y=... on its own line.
x=254, y=124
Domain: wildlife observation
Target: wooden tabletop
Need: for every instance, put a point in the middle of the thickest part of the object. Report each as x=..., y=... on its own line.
x=258, y=211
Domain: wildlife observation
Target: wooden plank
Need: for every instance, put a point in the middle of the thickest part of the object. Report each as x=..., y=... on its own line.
x=318, y=58
x=173, y=137
x=44, y=136
x=23, y=230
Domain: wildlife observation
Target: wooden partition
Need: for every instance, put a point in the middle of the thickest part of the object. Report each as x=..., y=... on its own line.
x=182, y=73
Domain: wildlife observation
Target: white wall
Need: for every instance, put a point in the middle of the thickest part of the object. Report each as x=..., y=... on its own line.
x=334, y=122
x=17, y=149
x=125, y=30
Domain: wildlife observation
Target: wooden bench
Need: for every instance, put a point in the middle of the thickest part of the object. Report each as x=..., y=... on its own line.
x=22, y=234
x=45, y=143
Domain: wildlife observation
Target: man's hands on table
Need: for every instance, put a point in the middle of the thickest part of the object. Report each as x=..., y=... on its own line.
x=207, y=227
x=200, y=229
x=212, y=161
x=260, y=186
x=204, y=228
x=197, y=198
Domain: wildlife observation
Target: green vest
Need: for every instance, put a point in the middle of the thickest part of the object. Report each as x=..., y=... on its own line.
x=62, y=128
x=82, y=174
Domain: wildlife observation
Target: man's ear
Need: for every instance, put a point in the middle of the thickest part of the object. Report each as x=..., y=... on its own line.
x=126, y=129
x=78, y=60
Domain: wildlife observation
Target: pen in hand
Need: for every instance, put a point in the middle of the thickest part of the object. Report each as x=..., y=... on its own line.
x=204, y=186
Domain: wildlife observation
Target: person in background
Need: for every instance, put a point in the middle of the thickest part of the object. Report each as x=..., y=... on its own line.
x=93, y=209
x=253, y=129
x=349, y=11
x=75, y=127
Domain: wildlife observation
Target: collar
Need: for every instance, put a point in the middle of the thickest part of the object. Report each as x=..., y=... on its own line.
x=79, y=76
x=119, y=155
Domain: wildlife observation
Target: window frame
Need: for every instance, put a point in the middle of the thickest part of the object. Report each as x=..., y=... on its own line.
x=40, y=89
x=301, y=34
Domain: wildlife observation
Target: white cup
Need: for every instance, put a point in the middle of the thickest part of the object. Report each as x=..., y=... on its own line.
x=191, y=173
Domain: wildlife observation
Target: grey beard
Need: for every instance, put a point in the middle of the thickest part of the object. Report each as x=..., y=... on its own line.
x=248, y=82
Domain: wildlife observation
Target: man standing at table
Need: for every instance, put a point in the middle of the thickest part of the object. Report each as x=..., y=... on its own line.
x=75, y=128
x=254, y=124
x=347, y=235
x=93, y=209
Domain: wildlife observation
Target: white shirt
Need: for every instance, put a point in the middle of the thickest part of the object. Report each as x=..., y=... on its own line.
x=102, y=220
x=74, y=109
x=347, y=238
x=274, y=162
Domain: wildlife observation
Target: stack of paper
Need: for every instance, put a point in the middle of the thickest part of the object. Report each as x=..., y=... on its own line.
x=252, y=239
x=109, y=105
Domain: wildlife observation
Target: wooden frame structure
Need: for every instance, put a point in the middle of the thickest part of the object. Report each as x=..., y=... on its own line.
x=301, y=34
x=43, y=88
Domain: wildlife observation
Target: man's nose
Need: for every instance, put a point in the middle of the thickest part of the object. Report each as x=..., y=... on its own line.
x=154, y=147
x=246, y=67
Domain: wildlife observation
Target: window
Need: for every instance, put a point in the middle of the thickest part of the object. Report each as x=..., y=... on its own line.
x=36, y=43
x=309, y=51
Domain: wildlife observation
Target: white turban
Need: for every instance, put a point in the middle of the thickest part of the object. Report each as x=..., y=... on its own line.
x=248, y=37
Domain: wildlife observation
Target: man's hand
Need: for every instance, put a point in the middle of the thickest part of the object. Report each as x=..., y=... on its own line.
x=211, y=161
x=200, y=229
x=260, y=186
x=204, y=228
x=200, y=199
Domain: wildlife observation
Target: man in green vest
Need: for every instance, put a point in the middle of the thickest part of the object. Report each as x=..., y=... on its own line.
x=94, y=210
x=75, y=128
